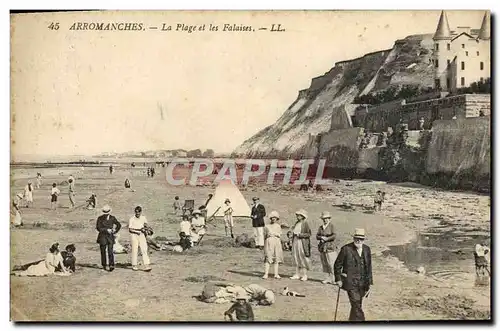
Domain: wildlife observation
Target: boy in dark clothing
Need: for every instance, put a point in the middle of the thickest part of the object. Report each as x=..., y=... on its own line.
x=242, y=308
x=69, y=259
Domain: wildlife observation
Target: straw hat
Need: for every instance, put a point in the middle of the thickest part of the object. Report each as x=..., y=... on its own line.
x=359, y=233
x=196, y=212
x=301, y=212
x=106, y=209
x=325, y=214
x=274, y=214
x=255, y=199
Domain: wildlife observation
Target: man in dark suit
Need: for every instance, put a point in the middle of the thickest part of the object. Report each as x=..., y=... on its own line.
x=353, y=273
x=258, y=214
x=107, y=225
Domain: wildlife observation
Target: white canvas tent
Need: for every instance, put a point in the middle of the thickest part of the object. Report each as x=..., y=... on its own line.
x=227, y=190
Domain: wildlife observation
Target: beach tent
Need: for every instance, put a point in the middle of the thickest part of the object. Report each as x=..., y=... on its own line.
x=228, y=190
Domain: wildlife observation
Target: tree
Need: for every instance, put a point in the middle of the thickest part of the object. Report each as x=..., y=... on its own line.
x=209, y=153
x=194, y=153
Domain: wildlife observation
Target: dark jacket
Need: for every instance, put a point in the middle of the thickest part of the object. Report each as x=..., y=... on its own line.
x=329, y=244
x=349, y=262
x=260, y=212
x=105, y=222
x=304, y=237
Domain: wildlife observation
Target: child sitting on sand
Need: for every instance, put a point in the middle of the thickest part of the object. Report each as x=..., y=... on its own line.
x=69, y=259
x=242, y=308
x=92, y=201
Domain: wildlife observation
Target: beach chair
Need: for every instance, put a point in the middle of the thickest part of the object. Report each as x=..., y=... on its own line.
x=188, y=207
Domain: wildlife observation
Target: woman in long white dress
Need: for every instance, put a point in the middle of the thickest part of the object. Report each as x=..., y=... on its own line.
x=17, y=217
x=28, y=194
x=53, y=261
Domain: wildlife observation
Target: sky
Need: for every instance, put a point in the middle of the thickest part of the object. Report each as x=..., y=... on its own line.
x=88, y=92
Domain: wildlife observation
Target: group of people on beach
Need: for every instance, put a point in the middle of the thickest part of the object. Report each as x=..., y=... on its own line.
x=350, y=267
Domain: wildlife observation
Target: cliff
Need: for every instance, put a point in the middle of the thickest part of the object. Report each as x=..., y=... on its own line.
x=407, y=63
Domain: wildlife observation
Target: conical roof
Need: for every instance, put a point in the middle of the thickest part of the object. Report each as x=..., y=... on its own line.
x=484, y=33
x=443, y=28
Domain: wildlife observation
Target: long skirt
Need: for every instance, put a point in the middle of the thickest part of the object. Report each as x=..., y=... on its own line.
x=39, y=270
x=273, y=252
x=28, y=196
x=327, y=261
x=300, y=260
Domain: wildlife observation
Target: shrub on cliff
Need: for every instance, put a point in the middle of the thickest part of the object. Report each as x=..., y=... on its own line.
x=391, y=94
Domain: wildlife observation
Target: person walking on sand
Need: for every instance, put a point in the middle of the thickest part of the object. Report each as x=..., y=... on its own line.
x=273, y=252
x=107, y=225
x=54, y=194
x=301, y=246
x=480, y=253
x=257, y=215
x=228, y=217
x=138, y=239
x=326, y=246
x=353, y=273
x=378, y=200
x=38, y=180
x=71, y=193
x=28, y=194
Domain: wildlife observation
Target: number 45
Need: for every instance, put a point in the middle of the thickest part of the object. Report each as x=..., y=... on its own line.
x=54, y=26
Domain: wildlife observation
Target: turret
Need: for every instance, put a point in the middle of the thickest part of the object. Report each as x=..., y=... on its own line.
x=443, y=31
x=484, y=33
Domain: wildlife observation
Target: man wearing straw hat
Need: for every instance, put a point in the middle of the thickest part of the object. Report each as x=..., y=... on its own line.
x=107, y=225
x=353, y=273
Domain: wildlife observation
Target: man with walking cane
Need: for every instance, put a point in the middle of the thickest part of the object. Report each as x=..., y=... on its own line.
x=353, y=273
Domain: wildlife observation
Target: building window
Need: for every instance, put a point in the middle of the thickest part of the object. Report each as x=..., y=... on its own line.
x=463, y=65
x=437, y=83
x=448, y=62
x=462, y=81
x=436, y=63
x=463, y=45
x=437, y=47
x=448, y=46
x=481, y=65
x=477, y=53
x=448, y=83
x=466, y=53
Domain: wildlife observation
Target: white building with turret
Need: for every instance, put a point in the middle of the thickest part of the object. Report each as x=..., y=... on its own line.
x=461, y=56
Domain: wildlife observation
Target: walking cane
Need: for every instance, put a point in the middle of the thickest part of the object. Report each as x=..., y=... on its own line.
x=337, y=305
